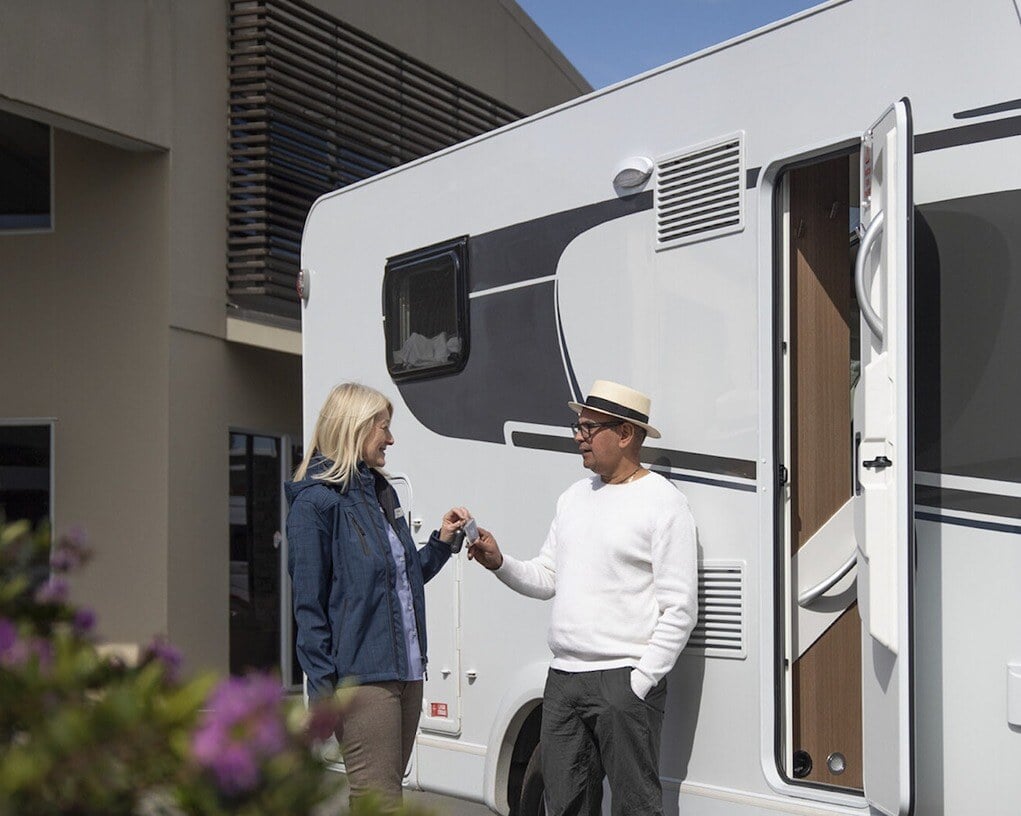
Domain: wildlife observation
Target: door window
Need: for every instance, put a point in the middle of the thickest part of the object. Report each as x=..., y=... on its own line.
x=256, y=547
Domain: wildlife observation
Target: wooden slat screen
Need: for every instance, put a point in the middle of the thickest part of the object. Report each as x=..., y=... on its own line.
x=314, y=105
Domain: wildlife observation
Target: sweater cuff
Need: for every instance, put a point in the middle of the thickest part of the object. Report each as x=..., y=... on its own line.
x=641, y=685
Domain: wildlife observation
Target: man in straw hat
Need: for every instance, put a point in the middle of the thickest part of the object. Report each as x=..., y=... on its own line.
x=620, y=564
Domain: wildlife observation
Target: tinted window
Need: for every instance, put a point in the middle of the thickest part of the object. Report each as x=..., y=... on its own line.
x=425, y=297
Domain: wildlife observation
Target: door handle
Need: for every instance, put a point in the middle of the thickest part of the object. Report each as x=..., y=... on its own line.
x=873, y=232
x=878, y=463
x=811, y=594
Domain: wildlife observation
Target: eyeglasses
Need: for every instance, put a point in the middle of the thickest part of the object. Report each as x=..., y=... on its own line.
x=590, y=429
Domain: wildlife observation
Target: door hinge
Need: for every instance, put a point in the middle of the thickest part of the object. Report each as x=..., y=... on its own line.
x=782, y=476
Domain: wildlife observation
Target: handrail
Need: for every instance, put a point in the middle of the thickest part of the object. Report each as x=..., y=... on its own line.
x=811, y=594
x=874, y=230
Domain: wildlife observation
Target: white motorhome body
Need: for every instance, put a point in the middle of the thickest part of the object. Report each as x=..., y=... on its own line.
x=856, y=480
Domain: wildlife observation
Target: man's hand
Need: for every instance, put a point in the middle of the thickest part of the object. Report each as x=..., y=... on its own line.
x=453, y=520
x=486, y=551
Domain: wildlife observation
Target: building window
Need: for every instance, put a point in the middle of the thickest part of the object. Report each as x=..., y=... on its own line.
x=260, y=607
x=26, y=472
x=426, y=311
x=25, y=192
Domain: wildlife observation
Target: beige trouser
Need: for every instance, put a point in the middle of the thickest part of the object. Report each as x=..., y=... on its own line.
x=378, y=735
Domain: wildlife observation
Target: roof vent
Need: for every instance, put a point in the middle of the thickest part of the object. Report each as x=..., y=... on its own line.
x=719, y=631
x=699, y=192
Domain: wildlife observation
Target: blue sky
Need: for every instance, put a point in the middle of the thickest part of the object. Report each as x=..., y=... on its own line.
x=611, y=40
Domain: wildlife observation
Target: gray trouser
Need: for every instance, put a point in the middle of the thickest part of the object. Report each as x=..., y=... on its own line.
x=378, y=735
x=594, y=725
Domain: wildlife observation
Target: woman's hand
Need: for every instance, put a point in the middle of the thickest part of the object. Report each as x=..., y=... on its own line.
x=453, y=520
x=486, y=551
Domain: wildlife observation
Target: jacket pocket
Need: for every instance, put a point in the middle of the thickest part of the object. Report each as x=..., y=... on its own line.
x=359, y=534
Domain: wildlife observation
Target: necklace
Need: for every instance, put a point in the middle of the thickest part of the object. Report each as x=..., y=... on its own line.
x=629, y=477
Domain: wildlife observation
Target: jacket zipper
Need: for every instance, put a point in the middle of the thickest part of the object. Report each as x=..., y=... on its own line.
x=361, y=535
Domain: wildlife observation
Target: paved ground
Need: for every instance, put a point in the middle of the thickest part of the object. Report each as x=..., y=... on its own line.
x=445, y=805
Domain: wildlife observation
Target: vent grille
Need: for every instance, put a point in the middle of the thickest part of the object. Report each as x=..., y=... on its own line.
x=720, y=630
x=316, y=104
x=699, y=193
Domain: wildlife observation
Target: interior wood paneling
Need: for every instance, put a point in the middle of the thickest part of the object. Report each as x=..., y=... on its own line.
x=826, y=680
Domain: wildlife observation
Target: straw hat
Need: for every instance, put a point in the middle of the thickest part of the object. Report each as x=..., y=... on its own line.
x=616, y=400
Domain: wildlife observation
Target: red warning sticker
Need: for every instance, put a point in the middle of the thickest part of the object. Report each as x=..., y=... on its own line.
x=438, y=710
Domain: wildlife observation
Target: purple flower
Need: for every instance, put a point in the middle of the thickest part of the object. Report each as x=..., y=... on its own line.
x=16, y=651
x=53, y=591
x=83, y=621
x=243, y=728
x=160, y=650
x=70, y=551
x=8, y=635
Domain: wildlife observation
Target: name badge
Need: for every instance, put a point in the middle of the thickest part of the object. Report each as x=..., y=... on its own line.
x=399, y=512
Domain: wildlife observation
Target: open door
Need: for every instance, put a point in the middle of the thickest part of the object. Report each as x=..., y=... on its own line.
x=883, y=423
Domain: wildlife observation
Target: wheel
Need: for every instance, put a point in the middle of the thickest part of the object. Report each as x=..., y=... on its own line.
x=533, y=787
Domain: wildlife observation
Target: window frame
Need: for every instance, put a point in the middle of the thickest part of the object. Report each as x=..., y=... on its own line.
x=397, y=268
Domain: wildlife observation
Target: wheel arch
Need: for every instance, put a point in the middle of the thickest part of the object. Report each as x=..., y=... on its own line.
x=514, y=734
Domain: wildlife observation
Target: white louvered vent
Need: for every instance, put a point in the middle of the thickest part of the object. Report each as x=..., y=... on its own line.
x=720, y=631
x=699, y=192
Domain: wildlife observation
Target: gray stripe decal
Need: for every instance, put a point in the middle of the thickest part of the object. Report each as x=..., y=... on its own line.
x=963, y=522
x=751, y=177
x=686, y=460
x=968, y=134
x=1013, y=104
x=988, y=504
x=656, y=457
x=683, y=477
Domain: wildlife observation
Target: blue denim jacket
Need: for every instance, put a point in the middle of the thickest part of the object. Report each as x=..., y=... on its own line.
x=343, y=579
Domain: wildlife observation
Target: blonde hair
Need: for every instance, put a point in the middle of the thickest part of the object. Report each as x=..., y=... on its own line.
x=344, y=423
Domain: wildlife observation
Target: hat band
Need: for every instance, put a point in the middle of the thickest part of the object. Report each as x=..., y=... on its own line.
x=600, y=404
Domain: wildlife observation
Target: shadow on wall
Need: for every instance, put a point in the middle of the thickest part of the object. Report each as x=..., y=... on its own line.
x=683, y=705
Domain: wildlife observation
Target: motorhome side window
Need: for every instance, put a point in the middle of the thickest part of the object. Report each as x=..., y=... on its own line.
x=425, y=310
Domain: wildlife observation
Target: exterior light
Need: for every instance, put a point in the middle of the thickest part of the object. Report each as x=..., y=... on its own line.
x=633, y=173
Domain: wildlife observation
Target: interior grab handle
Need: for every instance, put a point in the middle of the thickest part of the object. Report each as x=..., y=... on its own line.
x=811, y=594
x=872, y=234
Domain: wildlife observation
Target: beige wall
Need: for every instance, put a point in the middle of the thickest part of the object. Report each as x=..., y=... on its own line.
x=97, y=63
x=84, y=340
x=255, y=390
x=198, y=182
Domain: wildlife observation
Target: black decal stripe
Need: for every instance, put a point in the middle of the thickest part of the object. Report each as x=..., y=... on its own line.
x=751, y=177
x=963, y=522
x=532, y=249
x=1013, y=104
x=557, y=444
x=684, y=477
x=686, y=460
x=656, y=457
x=988, y=504
x=968, y=134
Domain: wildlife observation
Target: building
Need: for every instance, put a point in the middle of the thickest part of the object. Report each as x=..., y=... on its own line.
x=156, y=160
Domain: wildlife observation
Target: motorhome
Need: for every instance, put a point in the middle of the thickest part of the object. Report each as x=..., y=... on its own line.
x=805, y=245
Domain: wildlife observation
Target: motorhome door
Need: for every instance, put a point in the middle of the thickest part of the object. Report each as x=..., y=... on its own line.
x=883, y=423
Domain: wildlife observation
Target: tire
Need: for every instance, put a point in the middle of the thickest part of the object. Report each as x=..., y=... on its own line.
x=533, y=787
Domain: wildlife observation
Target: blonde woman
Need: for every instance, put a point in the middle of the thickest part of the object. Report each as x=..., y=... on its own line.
x=358, y=581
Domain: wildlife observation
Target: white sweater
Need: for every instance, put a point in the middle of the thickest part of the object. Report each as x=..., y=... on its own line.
x=620, y=562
